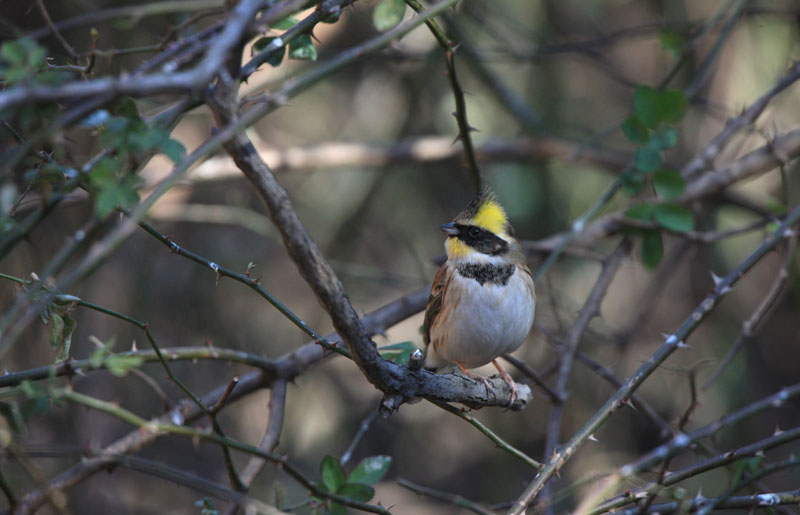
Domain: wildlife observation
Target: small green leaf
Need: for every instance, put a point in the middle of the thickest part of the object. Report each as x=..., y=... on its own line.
x=398, y=352
x=286, y=23
x=97, y=357
x=633, y=182
x=22, y=59
x=653, y=107
x=672, y=105
x=668, y=184
x=61, y=328
x=173, y=149
x=117, y=194
x=772, y=227
x=672, y=42
x=31, y=390
x=37, y=401
x=275, y=57
x=388, y=13
x=56, y=328
x=120, y=364
x=664, y=137
x=645, y=104
x=357, y=492
x=302, y=48
x=125, y=107
x=652, y=248
x=647, y=159
x=635, y=130
x=674, y=217
x=206, y=507
x=332, y=473
x=641, y=212
x=370, y=470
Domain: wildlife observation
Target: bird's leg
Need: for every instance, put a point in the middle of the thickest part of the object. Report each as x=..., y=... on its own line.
x=507, y=379
x=475, y=377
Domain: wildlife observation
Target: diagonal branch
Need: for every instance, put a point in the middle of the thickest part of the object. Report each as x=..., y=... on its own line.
x=673, y=342
x=384, y=375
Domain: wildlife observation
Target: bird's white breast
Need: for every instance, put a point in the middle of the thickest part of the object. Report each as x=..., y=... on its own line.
x=489, y=319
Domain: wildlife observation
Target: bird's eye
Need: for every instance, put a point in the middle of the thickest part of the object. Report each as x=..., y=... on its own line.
x=474, y=232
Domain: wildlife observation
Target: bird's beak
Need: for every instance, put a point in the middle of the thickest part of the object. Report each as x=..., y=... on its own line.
x=449, y=229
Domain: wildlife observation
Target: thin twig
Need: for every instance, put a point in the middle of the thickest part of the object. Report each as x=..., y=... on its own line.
x=464, y=128
x=158, y=427
x=590, y=309
x=455, y=500
x=54, y=30
x=750, y=325
x=362, y=431
x=490, y=434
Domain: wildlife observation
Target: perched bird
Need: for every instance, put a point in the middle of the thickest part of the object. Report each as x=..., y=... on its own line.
x=482, y=299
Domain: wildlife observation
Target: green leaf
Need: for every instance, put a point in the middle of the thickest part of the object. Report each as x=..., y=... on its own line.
x=674, y=217
x=336, y=509
x=357, y=492
x=206, y=506
x=398, y=352
x=370, y=470
x=120, y=364
x=635, y=130
x=388, y=13
x=664, y=137
x=652, y=248
x=61, y=328
x=97, y=357
x=125, y=107
x=633, y=182
x=645, y=104
x=286, y=23
x=672, y=105
x=37, y=401
x=173, y=149
x=116, y=194
x=275, y=57
x=672, y=42
x=668, y=184
x=21, y=58
x=56, y=327
x=641, y=212
x=302, y=48
x=653, y=107
x=647, y=159
x=332, y=474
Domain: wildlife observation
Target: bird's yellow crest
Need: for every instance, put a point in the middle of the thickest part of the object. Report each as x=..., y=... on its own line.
x=491, y=216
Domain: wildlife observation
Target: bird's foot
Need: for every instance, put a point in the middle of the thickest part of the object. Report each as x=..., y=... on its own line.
x=476, y=377
x=508, y=380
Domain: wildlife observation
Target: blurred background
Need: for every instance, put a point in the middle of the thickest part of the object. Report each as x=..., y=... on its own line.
x=369, y=160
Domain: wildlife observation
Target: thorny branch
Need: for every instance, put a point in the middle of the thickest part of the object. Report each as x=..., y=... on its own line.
x=672, y=343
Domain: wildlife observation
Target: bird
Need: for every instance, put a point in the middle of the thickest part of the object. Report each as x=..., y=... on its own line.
x=482, y=300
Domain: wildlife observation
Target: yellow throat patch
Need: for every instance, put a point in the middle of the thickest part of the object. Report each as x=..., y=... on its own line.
x=456, y=249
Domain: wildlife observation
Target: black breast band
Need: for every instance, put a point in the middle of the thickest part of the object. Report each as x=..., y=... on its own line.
x=487, y=272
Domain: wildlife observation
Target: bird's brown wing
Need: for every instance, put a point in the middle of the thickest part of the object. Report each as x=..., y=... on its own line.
x=434, y=303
